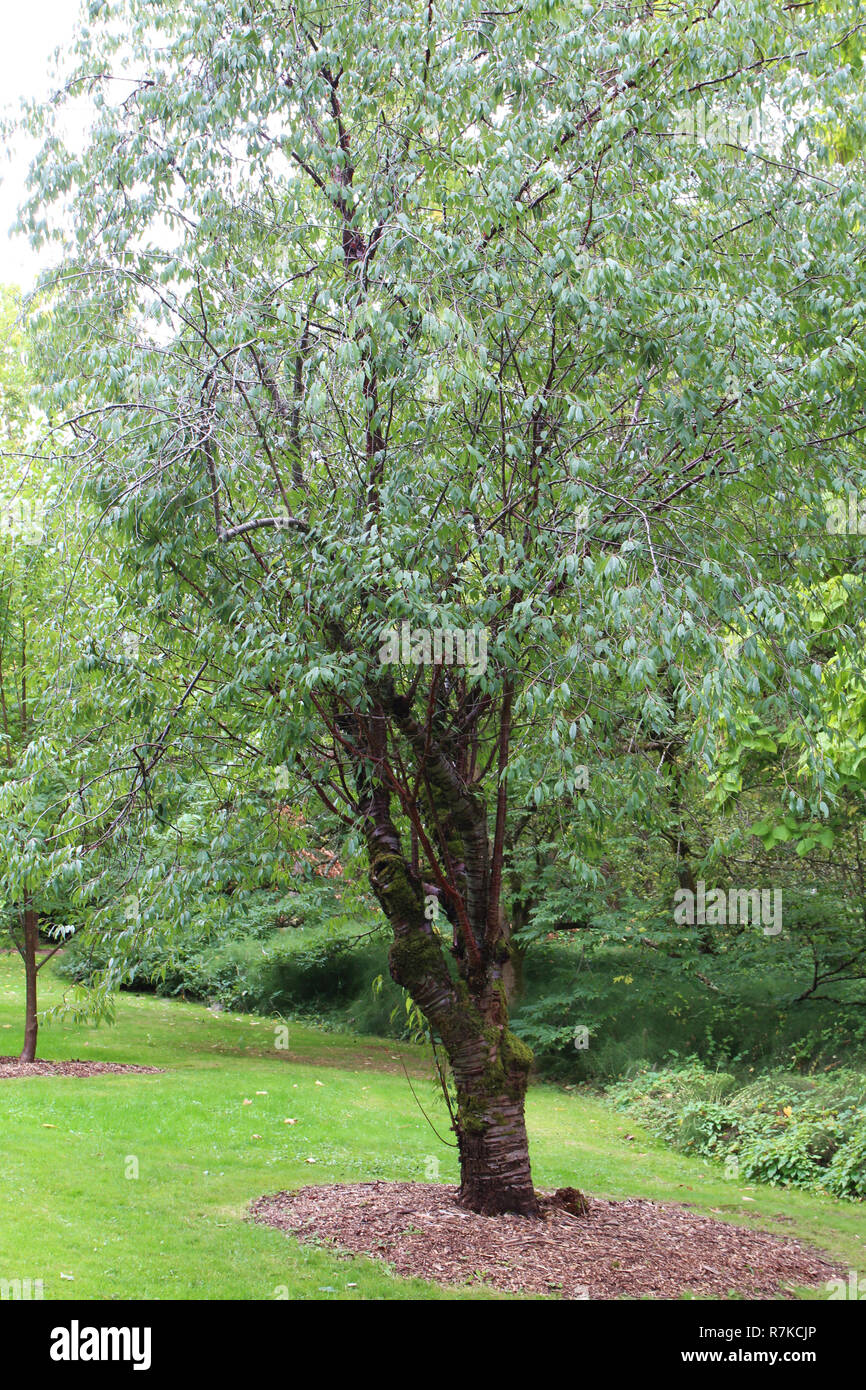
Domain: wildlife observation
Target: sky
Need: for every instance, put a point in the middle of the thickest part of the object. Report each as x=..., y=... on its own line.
x=33, y=29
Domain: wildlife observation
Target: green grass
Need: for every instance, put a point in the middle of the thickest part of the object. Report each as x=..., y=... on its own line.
x=178, y=1230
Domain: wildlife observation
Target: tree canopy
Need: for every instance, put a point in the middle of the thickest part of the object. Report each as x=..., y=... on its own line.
x=388, y=334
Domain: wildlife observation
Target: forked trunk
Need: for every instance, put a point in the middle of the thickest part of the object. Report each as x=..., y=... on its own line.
x=31, y=1018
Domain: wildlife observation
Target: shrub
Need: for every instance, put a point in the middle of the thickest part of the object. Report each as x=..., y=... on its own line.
x=846, y=1175
x=780, y=1129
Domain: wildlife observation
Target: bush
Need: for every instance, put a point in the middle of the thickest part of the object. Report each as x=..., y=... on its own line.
x=781, y=1129
x=846, y=1175
x=640, y=1007
x=290, y=955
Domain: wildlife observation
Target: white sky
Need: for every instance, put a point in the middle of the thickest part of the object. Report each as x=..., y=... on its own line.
x=32, y=30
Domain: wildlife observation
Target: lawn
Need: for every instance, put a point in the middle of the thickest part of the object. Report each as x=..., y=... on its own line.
x=71, y=1205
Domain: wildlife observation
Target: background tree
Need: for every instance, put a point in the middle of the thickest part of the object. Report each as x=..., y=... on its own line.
x=31, y=566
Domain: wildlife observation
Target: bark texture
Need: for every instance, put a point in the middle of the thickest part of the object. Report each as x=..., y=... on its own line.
x=454, y=970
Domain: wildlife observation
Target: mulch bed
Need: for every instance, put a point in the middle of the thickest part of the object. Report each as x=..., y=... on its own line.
x=10, y=1067
x=632, y=1249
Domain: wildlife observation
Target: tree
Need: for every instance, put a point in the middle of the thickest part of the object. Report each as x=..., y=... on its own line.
x=36, y=854
x=379, y=324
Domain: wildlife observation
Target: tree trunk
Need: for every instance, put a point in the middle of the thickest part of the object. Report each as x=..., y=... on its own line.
x=495, y=1174
x=457, y=985
x=31, y=1019
x=491, y=1068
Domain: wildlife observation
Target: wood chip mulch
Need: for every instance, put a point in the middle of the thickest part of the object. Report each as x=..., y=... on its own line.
x=632, y=1249
x=11, y=1067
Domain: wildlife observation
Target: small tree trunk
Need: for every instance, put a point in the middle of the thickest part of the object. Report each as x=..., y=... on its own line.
x=459, y=988
x=495, y=1175
x=491, y=1074
x=31, y=1018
